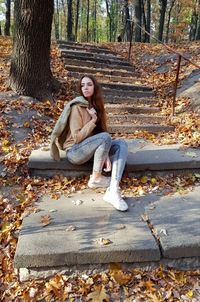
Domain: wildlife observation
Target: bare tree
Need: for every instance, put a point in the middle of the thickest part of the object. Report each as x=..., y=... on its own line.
x=56, y=20
x=163, y=6
x=70, y=21
x=7, y=22
x=87, y=22
x=168, y=20
x=138, y=19
x=77, y=17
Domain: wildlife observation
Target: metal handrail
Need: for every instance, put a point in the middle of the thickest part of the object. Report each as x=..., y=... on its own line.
x=170, y=49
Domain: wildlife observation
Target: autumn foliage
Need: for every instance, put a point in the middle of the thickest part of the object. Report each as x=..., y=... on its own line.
x=19, y=191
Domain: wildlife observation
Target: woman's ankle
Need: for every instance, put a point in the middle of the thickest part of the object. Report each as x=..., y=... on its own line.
x=96, y=175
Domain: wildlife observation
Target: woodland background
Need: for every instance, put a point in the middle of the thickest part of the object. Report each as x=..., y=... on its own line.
x=175, y=21
x=111, y=20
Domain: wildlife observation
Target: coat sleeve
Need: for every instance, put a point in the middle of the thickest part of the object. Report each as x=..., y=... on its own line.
x=79, y=131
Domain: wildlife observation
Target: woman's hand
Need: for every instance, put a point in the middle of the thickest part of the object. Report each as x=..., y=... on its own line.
x=92, y=112
x=107, y=165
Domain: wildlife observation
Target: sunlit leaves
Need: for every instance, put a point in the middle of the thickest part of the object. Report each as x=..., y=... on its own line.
x=99, y=294
x=21, y=191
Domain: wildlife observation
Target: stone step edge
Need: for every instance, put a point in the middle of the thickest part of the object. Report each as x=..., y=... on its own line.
x=152, y=128
x=83, y=46
x=77, y=61
x=98, y=69
x=35, y=273
x=124, y=86
x=112, y=79
x=143, y=160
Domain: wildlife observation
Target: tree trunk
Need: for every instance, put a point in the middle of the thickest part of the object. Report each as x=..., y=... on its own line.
x=0, y=29
x=77, y=17
x=138, y=17
x=95, y=21
x=197, y=36
x=65, y=20
x=163, y=6
x=88, y=14
x=56, y=22
x=148, y=20
x=30, y=72
x=109, y=18
x=193, y=25
x=127, y=29
x=168, y=21
x=144, y=21
x=7, y=22
x=69, y=21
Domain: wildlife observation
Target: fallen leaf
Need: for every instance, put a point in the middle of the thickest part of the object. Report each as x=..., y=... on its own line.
x=103, y=241
x=144, y=179
x=99, y=294
x=71, y=228
x=145, y=217
x=121, y=227
x=189, y=294
x=45, y=220
x=6, y=227
x=77, y=202
x=26, y=125
x=122, y=278
x=191, y=154
x=163, y=231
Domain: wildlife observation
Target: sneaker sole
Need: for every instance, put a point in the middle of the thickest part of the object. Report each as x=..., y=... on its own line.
x=93, y=186
x=114, y=206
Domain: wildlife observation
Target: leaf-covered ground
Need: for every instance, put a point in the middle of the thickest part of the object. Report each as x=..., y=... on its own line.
x=26, y=124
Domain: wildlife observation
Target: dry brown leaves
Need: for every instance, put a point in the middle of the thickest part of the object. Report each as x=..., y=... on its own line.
x=155, y=285
x=19, y=192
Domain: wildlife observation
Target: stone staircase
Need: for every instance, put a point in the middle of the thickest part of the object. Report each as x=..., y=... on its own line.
x=130, y=104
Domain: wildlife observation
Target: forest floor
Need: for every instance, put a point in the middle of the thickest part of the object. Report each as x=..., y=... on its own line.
x=26, y=124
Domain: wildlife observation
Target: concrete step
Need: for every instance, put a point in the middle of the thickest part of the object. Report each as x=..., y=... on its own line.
x=110, y=78
x=136, y=100
x=130, y=109
x=84, y=46
x=128, y=93
x=128, y=128
x=88, y=54
x=107, y=71
x=101, y=58
x=95, y=63
x=125, y=86
x=136, y=118
x=143, y=157
x=44, y=251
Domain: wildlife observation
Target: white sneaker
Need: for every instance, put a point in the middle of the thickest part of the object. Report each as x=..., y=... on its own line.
x=114, y=197
x=101, y=182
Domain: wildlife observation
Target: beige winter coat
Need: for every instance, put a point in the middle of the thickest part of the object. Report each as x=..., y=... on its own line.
x=72, y=127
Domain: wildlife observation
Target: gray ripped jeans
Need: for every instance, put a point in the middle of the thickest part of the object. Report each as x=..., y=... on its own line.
x=99, y=147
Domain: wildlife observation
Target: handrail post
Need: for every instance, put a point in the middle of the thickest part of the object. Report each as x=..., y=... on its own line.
x=176, y=84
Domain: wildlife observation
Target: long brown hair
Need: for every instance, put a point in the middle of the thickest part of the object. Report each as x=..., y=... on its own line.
x=97, y=102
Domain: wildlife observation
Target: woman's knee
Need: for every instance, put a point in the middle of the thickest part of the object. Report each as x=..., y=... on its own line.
x=125, y=145
x=106, y=137
x=121, y=144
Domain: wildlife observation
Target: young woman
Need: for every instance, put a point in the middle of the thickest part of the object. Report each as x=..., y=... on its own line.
x=87, y=138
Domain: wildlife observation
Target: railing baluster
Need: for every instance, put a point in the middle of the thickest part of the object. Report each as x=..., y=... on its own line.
x=176, y=84
x=171, y=50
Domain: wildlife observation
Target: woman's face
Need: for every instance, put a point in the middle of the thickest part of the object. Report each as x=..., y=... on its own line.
x=87, y=88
